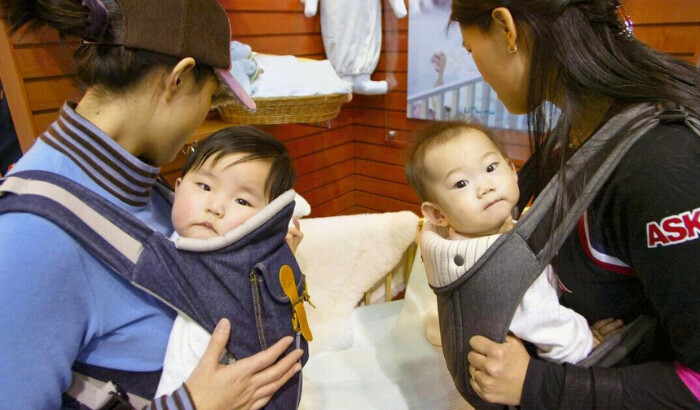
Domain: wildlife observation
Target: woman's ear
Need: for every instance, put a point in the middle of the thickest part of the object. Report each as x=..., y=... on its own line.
x=433, y=213
x=505, y=23
x=177, y=77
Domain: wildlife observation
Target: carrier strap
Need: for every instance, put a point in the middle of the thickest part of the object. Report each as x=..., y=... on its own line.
x=115, y=236
x=619, y=345
x=96, y=394
x=635, y=122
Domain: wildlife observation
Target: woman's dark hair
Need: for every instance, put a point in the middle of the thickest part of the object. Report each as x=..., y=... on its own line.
x=100, y=62
x=581, y=50
x=258, y=145
x=430, y=136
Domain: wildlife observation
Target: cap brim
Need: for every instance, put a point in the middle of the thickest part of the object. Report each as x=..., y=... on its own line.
x=235, y=88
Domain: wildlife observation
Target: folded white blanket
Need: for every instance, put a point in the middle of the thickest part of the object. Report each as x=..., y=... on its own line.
x=284, y=76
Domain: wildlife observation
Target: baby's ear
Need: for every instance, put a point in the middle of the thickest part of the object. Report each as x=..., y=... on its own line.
x=433, y=213
x=512, y=167
x=177, y=184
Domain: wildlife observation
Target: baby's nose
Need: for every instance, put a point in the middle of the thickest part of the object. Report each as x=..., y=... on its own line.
x=216, y=208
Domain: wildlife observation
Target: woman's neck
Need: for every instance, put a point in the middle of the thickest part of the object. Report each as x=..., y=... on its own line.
x=125, y=123
x=592, y=115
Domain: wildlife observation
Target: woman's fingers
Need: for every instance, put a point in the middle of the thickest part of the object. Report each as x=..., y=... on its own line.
x=498, y=369
x=266, y=392
x=217, y=344
x=263, y=360
x=476, y=359
x=269, y=380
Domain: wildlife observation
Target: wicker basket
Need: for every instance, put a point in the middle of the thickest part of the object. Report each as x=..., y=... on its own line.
x=285, y=110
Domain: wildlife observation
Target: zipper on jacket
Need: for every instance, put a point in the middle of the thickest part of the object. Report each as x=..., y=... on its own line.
x=257, y=306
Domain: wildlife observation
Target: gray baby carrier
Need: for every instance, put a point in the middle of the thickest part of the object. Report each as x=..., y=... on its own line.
x=249, y=276
x=482, y=299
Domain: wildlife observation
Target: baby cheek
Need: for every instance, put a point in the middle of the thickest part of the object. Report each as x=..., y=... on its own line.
x=179, y=216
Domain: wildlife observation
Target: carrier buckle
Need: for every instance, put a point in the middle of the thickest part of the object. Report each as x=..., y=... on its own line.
x=289, y=286
x=671, y=113
x=118, y=401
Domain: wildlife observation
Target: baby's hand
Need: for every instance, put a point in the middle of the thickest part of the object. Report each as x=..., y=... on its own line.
x=439, y=60
x=604, y=328
x=294, y=235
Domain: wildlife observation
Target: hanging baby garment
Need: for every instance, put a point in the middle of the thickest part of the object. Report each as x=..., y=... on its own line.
x=249, y=275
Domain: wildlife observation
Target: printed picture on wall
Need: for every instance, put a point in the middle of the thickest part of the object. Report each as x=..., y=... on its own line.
x=443, y=81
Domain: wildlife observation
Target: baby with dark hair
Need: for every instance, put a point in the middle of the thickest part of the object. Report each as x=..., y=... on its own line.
x=469, y=187
x=229, y=177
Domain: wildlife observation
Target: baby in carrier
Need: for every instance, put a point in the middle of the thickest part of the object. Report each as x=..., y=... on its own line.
x=230, y=177
x=469, y=188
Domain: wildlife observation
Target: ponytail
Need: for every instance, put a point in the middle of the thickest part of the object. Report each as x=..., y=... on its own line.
x=68, y=17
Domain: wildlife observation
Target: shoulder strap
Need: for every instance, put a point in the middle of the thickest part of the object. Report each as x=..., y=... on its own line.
x=602, y=153
x=80, y=213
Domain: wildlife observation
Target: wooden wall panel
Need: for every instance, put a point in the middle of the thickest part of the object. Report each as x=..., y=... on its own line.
x=670, y=26
x=663, y=11
x=51, y=60
x=325, y=176
x=329, y=193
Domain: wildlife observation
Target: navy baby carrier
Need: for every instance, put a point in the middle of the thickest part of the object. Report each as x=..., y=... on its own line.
x=237, y=276
x=483, y=300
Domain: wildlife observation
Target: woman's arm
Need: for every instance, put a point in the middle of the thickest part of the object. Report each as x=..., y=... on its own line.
x=46, y=311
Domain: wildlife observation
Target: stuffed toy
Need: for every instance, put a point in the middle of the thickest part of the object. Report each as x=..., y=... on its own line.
x=243, y=67
x=352, y=37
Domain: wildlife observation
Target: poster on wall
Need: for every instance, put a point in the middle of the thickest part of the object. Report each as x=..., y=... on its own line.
x=443, y=81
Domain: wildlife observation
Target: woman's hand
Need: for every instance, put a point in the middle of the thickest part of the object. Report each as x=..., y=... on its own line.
x=244, y=384
x=498, y=369
x=294, y=235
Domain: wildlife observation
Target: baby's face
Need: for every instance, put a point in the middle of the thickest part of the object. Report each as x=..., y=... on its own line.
x=474, y=187
x=218, y=197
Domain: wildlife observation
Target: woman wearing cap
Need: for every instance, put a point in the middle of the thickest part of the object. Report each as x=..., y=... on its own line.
x=151, y=75
x=636, y=250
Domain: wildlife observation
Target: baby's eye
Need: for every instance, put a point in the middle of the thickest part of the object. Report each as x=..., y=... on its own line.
x=461, y=184
x=241, y=201
x=492, y=167
x=204, y=186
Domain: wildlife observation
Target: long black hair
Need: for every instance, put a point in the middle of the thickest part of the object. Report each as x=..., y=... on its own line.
x=581, y=50
x=111, y=69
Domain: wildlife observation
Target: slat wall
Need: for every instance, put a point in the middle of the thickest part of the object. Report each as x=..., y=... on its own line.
x=356, y=165
x=672, y=26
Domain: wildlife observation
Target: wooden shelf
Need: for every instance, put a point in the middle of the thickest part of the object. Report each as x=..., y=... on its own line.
x=210, y=125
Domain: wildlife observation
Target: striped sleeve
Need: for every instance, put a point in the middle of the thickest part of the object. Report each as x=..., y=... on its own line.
x=178, y=400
